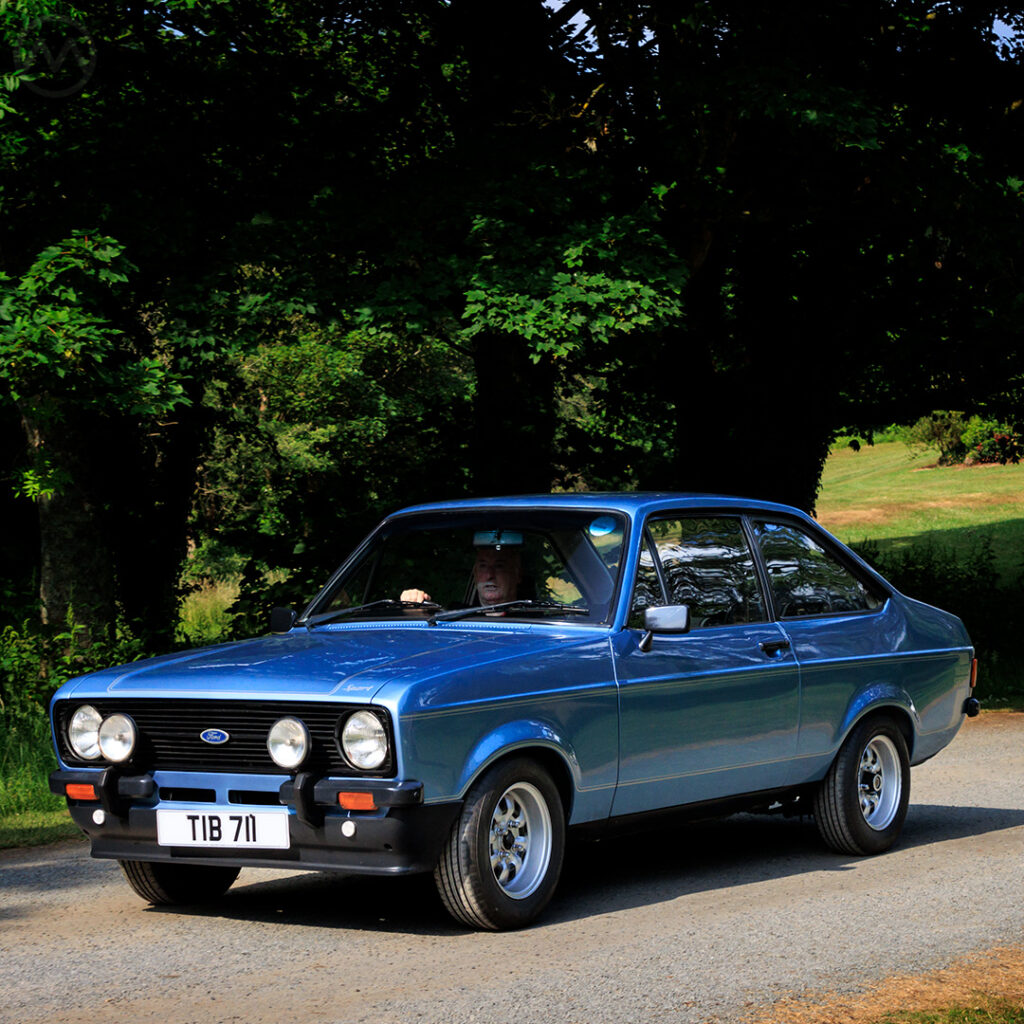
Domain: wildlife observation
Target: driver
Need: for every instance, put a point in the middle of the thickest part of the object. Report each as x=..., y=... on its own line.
x=497, y=570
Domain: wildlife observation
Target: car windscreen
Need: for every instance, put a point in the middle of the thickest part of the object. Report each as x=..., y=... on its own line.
x=537, y=565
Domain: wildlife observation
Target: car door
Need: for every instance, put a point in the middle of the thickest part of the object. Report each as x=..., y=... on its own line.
x=713, y=712
x=842, y=628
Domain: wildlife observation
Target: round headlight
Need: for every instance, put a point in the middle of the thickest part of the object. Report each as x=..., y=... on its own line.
x=288, y=742
x=83, y=732
x=364, y=740
x=117, y=738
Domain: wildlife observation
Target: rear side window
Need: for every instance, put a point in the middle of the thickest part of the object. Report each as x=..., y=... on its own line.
x=707, y=565
x=805, y=578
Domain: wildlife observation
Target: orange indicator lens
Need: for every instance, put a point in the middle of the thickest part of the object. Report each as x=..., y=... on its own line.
x=974, y=673
x=357, y=801
x=81, y=791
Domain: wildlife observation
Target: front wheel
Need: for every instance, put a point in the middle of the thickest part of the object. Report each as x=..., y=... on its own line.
x=862, y=801
x=164, y=884
x=503, y=857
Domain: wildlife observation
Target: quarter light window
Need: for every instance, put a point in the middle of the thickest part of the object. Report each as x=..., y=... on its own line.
x=806, y=579
x=707, y=565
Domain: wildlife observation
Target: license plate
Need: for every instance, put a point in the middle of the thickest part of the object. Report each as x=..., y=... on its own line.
x=248, y=830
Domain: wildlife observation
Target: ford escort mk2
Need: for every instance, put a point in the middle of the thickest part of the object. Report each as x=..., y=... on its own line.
x=480, y=677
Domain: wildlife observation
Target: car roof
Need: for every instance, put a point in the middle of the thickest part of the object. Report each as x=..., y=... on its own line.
x=633, y=503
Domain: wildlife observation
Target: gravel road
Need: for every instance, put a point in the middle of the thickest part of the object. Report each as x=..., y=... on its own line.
x=692, y=924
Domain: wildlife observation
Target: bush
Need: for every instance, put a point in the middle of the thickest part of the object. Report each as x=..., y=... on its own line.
x=942, y=429
x=34, y=662
x=991, y=441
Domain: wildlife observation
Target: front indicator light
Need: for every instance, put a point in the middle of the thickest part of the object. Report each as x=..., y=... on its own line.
x=81, y=791
x=117, y=738
x=357, y=801
x=84, y=732
x=288, y=743
x=364, y=741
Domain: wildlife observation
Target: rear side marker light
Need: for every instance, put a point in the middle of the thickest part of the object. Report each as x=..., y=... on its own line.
x=974, y=672
x=357, y=801
x=81, y=791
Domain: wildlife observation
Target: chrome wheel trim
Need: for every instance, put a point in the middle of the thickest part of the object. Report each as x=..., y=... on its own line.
x=879, y=782
x=520, y=840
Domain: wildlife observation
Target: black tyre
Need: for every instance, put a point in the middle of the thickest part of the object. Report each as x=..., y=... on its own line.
x=503, y=857
x=164, y=884
x=862, y=801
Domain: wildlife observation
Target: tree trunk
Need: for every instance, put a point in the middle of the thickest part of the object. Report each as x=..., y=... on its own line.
x=514, y=418
x=76, y=574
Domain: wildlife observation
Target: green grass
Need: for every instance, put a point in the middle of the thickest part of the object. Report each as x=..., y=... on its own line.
x=29, y=812
x=36, y=828
x=205, y=616
x=892, y=495
x=947, y=517
x=993, y=1012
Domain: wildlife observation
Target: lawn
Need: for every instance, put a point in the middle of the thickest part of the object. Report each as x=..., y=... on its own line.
x=889, y=494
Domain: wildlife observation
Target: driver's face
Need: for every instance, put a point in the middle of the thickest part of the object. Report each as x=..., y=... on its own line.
x=496, y=574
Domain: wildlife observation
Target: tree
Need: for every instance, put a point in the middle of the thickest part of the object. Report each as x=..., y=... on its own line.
x=388, y=251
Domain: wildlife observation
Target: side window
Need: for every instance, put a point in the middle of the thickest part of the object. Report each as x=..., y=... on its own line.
x=647, y=589
x=805, y=578
x=708, y=566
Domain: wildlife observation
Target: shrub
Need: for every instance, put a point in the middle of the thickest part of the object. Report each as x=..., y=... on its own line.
x=991, y=441
x=942, y=429
x=34, y=662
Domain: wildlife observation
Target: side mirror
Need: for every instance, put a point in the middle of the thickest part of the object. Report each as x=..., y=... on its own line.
x=281, y=620
x=666, y=618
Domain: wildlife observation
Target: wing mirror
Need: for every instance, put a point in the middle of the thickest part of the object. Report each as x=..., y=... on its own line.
x=665, y=618
x=281, y=620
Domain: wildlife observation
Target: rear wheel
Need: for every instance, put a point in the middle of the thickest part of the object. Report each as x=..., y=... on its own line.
x=164, y=884
x=862, y=802
x=503, y=857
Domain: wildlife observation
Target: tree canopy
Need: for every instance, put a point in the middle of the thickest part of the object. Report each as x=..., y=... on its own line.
x=270, y=270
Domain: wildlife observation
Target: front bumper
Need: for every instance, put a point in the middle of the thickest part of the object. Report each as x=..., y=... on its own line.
x=402, y=835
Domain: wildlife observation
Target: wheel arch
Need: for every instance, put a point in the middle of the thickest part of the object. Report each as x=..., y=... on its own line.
x=900, y=708
x=532, y=740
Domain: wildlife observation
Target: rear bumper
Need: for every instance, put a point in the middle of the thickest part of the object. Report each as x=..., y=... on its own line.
x=401, y=836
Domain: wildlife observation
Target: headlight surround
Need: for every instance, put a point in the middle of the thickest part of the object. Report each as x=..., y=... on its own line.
x=364, y=741
x=83, y=732
x=288, y=742
x=117, y=736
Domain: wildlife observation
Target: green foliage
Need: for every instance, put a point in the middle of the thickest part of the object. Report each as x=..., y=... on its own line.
x=583, y=286
x=35, y=662
x=26, y=759
x=56, y=347
x=942, y=429
x=991, y=441
x=206, y=616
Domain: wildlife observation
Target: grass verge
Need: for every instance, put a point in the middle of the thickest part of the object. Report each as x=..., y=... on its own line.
x=991, y=1012
x=36, y=828
x=29, y=813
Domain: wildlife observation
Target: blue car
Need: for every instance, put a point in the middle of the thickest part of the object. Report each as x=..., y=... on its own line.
x=481, y=676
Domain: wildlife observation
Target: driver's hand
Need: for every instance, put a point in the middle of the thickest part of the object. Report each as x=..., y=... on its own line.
x=419, y=596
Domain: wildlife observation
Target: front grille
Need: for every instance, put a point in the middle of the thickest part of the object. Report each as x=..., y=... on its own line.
x=169, y=734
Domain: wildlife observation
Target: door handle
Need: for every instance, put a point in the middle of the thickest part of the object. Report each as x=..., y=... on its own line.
x=774, y=647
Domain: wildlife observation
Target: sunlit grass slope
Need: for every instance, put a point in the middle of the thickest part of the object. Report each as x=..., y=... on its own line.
x=888, y=493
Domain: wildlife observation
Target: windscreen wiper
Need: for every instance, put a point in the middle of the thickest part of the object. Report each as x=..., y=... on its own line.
x=460, y=613
x=384, y=602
